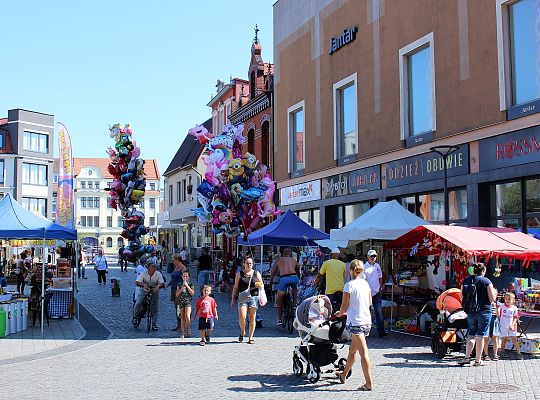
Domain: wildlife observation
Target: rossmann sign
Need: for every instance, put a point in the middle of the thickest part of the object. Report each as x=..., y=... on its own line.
x=514, y=148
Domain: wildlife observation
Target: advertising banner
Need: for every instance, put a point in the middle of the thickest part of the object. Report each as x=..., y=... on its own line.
x=64, y=200
x=301, y=193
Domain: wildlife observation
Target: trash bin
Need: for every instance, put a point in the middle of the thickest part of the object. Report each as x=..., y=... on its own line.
x=115, y=287
x=5, y=307
x=3, y=321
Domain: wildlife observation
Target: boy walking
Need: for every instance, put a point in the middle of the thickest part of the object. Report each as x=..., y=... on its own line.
x=206, y=310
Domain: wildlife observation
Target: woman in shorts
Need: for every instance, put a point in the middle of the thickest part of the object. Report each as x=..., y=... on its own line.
x=356, y=304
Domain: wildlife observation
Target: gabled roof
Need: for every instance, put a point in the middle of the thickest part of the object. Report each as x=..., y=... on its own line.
x=188, y=153
x=150, y=167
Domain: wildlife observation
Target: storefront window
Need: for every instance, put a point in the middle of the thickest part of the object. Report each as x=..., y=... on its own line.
x=532, y=195
x=409, y=203
x=507, y=198
x=304, y=216
x=458, y=204
x=353, y=211
x=316, y=218
x=509, y=223
x=432, y=206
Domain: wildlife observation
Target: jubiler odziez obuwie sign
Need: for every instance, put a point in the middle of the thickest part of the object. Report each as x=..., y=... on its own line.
x=345, y=38
x=425, y=167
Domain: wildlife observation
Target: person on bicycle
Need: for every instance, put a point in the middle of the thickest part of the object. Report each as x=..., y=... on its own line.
x=288, y=270
x=150, y=281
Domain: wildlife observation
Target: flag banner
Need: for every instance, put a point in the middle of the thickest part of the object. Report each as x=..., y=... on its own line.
x=64, y=200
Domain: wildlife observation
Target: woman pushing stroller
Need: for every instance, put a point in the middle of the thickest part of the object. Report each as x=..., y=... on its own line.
x=356, y=304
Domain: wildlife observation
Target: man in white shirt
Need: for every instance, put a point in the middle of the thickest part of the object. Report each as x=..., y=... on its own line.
x=373, y=275
x=149, y=281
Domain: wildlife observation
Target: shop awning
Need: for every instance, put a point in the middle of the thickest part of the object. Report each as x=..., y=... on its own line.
x=475, y=241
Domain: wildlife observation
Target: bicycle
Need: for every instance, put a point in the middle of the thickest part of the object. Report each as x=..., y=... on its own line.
x=288, y=308
x=146, y=311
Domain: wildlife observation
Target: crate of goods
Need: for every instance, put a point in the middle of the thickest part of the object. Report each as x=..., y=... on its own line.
x=62, y=268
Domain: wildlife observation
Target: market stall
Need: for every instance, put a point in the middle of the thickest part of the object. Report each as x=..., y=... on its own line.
x=290, y=230
x=16, y=222
x=385, y=221
x=444, y=255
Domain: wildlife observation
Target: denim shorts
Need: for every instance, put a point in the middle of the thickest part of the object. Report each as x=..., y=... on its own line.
x=284, y=281
x=478, y=323
x=359, y=330
x=494, y=329
x=206, y=323
x=253, y=303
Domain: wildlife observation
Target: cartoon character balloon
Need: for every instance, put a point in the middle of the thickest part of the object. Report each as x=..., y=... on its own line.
x=236, y=194
x=128, y=188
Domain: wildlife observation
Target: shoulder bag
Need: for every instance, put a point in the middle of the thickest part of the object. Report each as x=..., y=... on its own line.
x=245, y=295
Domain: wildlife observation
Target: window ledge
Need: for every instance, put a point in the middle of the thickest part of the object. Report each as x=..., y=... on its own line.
x=521, y=110
x=417, y=140
x=296, y=174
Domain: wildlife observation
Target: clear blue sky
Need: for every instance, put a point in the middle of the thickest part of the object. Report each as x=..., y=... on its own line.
x=153, y=64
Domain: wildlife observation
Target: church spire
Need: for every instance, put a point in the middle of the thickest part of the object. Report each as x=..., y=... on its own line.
x=256, y=39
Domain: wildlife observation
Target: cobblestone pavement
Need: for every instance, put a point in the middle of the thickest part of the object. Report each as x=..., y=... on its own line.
x=160, y=365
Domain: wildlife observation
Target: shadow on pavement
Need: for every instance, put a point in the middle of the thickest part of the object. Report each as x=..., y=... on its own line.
x=190, y=343
x=285, y=383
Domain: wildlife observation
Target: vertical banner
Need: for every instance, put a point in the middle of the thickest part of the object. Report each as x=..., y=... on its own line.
x=64, y=200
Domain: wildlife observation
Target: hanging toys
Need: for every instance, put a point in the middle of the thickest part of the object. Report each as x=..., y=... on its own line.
x=127, y=189
x=470, y=270
x=498, y=268
x=237, y=192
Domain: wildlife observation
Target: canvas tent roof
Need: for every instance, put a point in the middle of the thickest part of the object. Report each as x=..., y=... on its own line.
x=16, y=222
x=479, y=241
x=287, y=230
x=386, y=221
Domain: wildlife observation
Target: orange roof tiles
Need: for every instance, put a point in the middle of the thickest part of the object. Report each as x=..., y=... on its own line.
x=150, y=167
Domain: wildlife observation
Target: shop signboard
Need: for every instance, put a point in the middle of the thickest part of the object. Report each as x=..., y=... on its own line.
x=514, y=148
x=357, y=181
x=426, y=167
x=301, y=193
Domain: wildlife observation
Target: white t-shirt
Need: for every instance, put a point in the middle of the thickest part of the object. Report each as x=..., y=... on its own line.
x=507, y=315
x=139, y=270
x=152, y=281
x=360, y=300
x=101, y=262
x=372, y=274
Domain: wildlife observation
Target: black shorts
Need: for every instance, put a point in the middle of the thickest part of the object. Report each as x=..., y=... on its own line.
x=206, y=323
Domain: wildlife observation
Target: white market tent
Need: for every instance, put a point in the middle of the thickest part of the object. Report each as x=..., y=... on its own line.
x=388, y=220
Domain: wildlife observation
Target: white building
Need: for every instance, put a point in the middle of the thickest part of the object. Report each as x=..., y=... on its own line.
x=94, y=218
x=178, y=226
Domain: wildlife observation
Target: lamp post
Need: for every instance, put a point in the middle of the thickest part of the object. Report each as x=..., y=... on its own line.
x=444, y=151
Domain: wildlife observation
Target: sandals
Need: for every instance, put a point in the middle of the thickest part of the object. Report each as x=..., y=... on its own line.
x=479, y=363
x=364, y=388
x=188, y=333
x=202, y=343
x=155, y=328
x=251, y=341
x=241, y=338
x=341, y=377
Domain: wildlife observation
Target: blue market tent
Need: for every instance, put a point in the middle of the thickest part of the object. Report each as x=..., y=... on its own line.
x=16, y=222
x=287, y=230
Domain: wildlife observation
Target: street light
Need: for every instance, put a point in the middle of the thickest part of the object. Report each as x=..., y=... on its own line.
x=444, y=151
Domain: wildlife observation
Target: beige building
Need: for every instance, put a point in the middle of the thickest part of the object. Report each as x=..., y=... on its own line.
x=93, y=216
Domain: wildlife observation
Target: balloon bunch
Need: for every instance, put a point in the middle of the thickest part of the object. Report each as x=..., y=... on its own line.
x=127, y=189
x=236, y=194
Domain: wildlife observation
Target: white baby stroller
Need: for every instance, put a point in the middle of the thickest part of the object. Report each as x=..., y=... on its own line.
x=319, y=334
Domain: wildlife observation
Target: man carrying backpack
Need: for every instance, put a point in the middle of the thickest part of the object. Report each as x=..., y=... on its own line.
x=477, y=294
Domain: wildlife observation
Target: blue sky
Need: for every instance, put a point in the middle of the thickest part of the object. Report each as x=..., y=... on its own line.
x=153, y=64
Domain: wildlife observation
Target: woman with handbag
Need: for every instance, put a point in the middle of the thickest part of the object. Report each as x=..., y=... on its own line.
x=246, y=284
x=101, y=267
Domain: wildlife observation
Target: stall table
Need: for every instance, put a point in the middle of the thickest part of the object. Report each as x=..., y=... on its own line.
x=59, y=302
